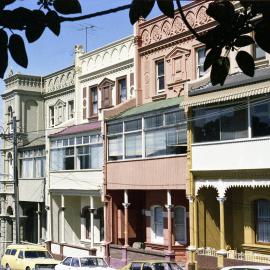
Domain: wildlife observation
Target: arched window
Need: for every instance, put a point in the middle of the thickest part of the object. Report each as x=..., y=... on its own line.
x=157, y=224
x=180, y=224
x=10, y=116
x=9, y=225
x=86, y=222
x=10, y=166
x=263, y=221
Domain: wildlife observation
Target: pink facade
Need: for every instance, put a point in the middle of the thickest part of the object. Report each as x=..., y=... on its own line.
x=166, y=57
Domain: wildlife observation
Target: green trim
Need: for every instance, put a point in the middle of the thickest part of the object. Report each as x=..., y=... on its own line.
x=151, y=106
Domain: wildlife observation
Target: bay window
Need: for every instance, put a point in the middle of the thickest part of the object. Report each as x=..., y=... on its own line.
x=149, y=136
x=32, y=163
x=231, y=122
x=82, y=152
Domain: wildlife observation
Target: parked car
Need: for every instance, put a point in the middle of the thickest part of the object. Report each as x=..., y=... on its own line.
x=247, y=267
x=152, y=265
x=83, y=262
x=27, y=257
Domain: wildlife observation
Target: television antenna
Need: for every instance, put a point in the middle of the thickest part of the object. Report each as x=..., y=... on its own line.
x=86, y=27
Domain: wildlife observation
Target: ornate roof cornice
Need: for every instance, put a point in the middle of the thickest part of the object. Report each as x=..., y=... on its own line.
x=107, y=71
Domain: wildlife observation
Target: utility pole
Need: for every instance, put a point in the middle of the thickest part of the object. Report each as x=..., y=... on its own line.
x=15, y=179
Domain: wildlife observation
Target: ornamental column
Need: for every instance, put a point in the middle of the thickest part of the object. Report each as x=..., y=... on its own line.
x=62, y=219
x=191, y=248
x=126, y=204
x=169, y=254
x=222, y=252
x=92, y=210
x=38, y=222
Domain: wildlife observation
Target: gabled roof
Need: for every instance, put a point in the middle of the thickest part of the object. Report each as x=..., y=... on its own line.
x=78, y=129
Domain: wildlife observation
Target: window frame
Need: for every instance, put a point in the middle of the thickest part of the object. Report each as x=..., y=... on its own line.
x=185, y=224
x=94, y=139
x=180, y=126
x=71, y=109
x=35, y=154
x=256, y=222
x=92, y=89
x=157, y=76
x=118, y=89
x=197, y=64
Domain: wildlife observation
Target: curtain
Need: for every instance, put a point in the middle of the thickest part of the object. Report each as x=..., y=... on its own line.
x=155, y=143
x=133, y=145
x=263, y=221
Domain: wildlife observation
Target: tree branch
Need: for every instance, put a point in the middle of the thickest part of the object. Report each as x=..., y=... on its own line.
x=92, y=15
x=183, y=16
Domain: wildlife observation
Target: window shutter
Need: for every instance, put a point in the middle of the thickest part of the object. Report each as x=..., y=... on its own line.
x=107, y=96
x=90, y=102
x=84, y=103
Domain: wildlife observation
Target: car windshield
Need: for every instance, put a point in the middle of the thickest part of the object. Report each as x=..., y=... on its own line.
x=32, y=254
x=88, y=262
x=167, y=266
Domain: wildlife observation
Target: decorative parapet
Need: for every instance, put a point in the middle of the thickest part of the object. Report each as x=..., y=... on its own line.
x=161, y=28
x=23, y=82
x=104, y=58
x=59, y=80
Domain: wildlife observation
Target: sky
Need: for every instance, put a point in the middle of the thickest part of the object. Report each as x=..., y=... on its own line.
x=51, y=53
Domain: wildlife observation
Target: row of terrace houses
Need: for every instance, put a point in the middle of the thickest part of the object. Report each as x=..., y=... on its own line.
x=132, y=153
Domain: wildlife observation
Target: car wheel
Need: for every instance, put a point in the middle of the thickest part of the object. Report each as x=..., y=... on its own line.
x=27, y=268
x=8, y=267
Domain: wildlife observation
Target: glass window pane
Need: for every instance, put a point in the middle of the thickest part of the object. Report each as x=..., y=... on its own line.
x=115, y=128
x=133, y=125
x=96, y=157
x=155, y=143
x=234, y=123
x=65, y=142
x=57, y=159
x=71, y=141
x=85, y=139
x=206, y=126
x=260, y=119
x=133, y=145
x=174, y=117
x=79, y=140
x=115, y=148
x=259, y=53
x=153, y=121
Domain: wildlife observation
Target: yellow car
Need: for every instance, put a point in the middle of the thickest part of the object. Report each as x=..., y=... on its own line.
x=27, y=257
x=152, y=265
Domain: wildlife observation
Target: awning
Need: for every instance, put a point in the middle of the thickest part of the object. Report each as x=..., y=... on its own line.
x=228, y=94
x=78, y=129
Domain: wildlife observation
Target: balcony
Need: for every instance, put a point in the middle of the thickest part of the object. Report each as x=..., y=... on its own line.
x=80, y=180
x=6, y=187
x=231, y=155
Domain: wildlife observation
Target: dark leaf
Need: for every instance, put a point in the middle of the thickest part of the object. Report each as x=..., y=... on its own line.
x=262, y=35
x=135, y=11
x=246, y=62
x=67, y=6
x=167, y=7
x=35, y=26
x=140, y=8
x=222, y=11
x=4, y=3
x=17, y=50
x=53, y=22
x=243, y=41
x=146, y=7
x=3, y=60
x=220, y=70
x=211, y=57
x=15, y=19
x=3, y=52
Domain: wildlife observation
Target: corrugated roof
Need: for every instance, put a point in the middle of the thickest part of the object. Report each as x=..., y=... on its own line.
x=151, y=106
x=233, y=80
x=228, y=94
x=78, y=129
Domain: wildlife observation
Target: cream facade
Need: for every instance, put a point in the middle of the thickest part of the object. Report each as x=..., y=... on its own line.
x=22, y=98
